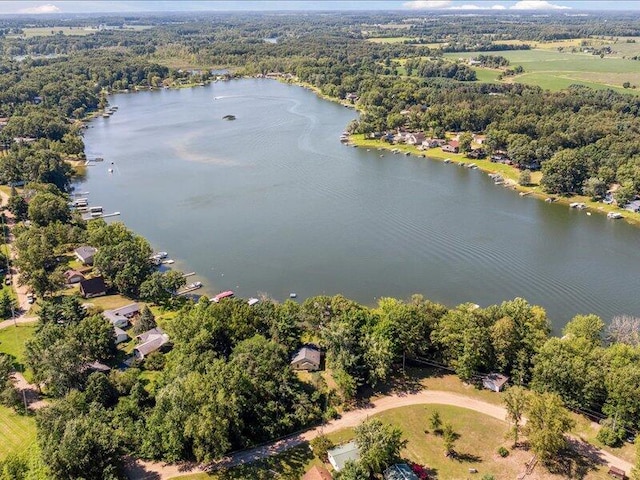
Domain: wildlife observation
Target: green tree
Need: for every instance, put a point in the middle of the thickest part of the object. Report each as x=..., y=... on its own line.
x=18, y=206
x=45, y=208
x=435, y=422
x=146, y=322
x=464, y=141
x=7, y=304
x=595, y=188
x=524, y=178
x=352, y=471
x=320, y=446
x=515, y=400
x=78, y=442
x=547, y=423
x=589, y=327
x=379, y=445
x=449, y=437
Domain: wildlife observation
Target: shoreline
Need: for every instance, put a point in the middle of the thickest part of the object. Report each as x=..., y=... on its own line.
x=510, y=174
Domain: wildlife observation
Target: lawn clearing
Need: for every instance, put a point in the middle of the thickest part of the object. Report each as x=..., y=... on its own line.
x=17, y=432
x=12, y=340
x=390, y=39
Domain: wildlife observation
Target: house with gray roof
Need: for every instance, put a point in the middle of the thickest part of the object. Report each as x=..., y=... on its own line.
x=151, y=341
x=307, y=358
x=339, y=456
x=400, y=471
x=121, y=335
x=85, y=254
x=120, y=317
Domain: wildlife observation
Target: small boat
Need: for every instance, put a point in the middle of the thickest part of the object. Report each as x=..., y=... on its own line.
x=168, y=262
x=222, y=295
x=407, y=153
x=229, y=117
x=550, y=199
x=614, y=215
x=98, y=159
x=110, y=170
x=293, y=295
x=253, y=301
x=447, y=160
x=106, y=115
x=162, y=254
x=194, y=285
x=578, y=205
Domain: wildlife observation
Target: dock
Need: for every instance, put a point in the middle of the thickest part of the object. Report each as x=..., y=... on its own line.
x=189, y=289
x=185, y=275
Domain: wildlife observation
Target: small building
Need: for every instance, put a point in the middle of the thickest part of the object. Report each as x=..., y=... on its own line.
x=307, y=358
x=317, y=473
x=615, y=472
x=339, y=456
x=85, y=254
x=414, y=138
x=121, y=335
x=400, y=471
x=433, y=142
x=93, y=287
x=120, y=316
x=73, y=276
x=451, y=147
x=151, y=341
x=494, y=381
x=96, y=367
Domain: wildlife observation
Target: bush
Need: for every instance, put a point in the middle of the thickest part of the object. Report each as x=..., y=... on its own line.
x=503, y=452
x=488, y=477
x=331, y=414
x=610, y=436
x=154, y=361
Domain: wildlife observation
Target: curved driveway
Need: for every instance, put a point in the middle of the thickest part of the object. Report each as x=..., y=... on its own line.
x=149, y=470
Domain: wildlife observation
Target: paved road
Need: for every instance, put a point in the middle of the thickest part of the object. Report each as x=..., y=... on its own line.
x=150, y=470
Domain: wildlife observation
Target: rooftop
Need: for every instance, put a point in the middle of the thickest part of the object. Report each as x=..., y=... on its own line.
x=339, y=456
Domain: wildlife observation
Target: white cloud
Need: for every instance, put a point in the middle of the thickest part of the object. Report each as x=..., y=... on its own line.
x=466, y=7
x=428, y=4
x=498, y=7
x=537, y=5
x=48, y=8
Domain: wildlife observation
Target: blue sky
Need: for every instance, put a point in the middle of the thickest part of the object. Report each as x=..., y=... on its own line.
x=79, y=6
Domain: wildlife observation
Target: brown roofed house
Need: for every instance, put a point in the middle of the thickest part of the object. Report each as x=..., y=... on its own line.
x=317, y=473
x=93, y=287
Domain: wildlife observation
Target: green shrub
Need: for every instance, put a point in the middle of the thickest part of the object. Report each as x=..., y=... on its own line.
x=503, y=452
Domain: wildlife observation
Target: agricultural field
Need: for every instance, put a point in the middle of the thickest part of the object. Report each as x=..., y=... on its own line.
x=30, y=32
x=557, y=70
x=389, y=39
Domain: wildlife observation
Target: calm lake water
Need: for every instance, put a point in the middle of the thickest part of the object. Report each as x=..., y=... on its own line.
x=272, y=202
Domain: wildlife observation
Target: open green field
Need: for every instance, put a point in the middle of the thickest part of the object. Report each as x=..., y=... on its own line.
x=30, y=32
x=12, y=341
x=389, y=39
x=17, y=432
x=557, y=70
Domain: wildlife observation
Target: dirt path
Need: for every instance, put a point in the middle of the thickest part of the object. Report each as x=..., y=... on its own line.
x=149, y=470
x=28, y=392
x=20, y=290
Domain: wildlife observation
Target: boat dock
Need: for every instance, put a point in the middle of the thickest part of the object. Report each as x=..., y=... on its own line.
x=190, y=288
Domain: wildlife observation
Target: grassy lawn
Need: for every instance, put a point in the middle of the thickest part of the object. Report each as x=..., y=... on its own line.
x=17, y=432
x=479, y=438
x=555, y=70
x=109, y=302
x=12, y=341
x=389, y=39
x=30, y=32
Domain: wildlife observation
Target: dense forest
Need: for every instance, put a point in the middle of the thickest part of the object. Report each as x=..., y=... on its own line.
x=227, y=383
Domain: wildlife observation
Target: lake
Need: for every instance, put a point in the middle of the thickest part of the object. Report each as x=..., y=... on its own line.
x=273, y=202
